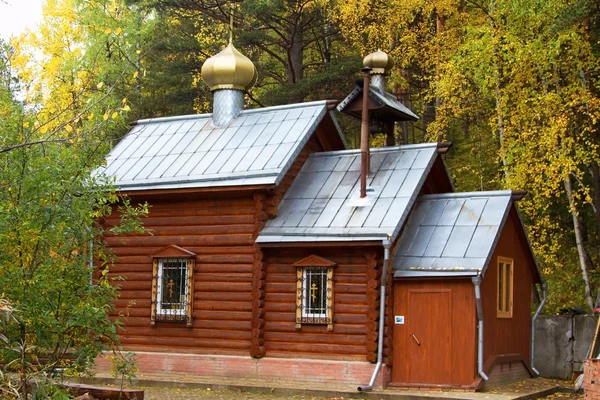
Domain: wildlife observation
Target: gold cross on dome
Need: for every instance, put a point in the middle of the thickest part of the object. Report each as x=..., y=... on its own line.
x=171, y=284
x=313, y=290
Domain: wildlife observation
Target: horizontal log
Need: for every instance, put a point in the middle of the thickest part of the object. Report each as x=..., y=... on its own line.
x=119, y=268
x=185, y=350
x=133, y=285
x=225, y=266
x=182, y=241
x=223, y=306
x=241, y=325
x=287, y=307
x=222, y=287
x=133, y=312
x=186, y=342
x=243, y=296
x=199, y=230
x=134, y=251
x=178, y=331
x=350, y=288
x=133, y=276
x=134, y=294
x=290, y=326
x=344, y=298
x=332, y=357
x=280, y=297
x=206, y=315
x=273, y=287
x=154, y=220
x=136, y=303
x=324, y=338
x=212, y=278
x=315, y=348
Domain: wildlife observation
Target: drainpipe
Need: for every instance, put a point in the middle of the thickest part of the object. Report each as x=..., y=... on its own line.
x=476, y=282
x=386, y=257
x=533, y=319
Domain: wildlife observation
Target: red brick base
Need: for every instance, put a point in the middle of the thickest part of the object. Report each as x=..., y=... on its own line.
x=264, y=369
x=591, y=381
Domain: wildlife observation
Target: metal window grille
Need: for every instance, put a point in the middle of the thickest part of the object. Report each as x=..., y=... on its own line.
x=316, y=295
x=172, y=294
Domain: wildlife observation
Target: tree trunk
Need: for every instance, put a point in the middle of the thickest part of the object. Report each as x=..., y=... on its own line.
x=295, y=59
x=579, y=242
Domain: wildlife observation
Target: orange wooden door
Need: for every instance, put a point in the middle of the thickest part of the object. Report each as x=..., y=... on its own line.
x=424, y=352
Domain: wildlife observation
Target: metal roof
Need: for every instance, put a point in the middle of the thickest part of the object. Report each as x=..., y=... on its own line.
x=324, y=204
x=452, y=234
x=258, y=147
x=385, y=99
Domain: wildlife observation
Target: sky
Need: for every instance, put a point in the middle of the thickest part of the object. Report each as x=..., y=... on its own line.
x=16, y=15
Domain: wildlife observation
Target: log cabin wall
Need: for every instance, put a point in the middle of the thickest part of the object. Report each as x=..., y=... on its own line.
x=509, y=335
x=220, y=232
x=220, y=227
x=356, y=305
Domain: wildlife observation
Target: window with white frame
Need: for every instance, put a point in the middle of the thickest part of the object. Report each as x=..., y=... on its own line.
x=314, y=292
x=504, y=307
x=172, y=290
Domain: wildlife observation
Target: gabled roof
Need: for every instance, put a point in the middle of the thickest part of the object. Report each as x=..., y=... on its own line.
x=256, y=148
x=323, y=203
x=384, y=103
x=452, y=234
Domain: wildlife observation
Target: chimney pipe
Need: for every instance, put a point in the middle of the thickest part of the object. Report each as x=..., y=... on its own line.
x=364, y=134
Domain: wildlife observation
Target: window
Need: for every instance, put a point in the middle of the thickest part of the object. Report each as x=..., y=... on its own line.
x=505, y=287
x=172, y=286
x=314, y=292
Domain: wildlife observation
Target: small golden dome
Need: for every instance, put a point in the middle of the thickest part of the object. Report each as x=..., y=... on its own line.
x=379, y=61
x=229, y=69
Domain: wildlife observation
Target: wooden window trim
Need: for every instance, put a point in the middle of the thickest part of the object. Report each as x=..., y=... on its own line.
x=173, y=252
x=505, y=288
x=302, y=266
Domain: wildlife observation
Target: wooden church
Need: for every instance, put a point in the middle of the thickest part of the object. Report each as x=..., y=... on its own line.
x=277, y=253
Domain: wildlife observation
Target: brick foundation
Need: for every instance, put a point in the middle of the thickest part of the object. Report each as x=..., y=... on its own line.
x=264, y=369
x=591, y=382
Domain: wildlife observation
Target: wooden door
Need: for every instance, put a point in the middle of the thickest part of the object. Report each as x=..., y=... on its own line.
x=423, y=344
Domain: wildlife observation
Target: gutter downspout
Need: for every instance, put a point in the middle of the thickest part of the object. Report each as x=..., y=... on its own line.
x=386, y=257
x=476, y=282
x=533, y=319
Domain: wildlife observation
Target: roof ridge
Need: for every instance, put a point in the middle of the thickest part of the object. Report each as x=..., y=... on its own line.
x=388, y=149
x=244, y=112
x=460, y=195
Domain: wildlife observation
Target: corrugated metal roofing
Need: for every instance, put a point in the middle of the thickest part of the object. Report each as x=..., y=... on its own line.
x=451, y=234
x=324, y=204
x=258, y=147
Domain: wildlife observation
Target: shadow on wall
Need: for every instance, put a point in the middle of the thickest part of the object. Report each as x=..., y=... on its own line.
x=562, y=343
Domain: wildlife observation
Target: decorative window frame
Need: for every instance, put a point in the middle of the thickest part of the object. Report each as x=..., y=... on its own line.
x=302, y=268
x=505, y=287
x=172, y=252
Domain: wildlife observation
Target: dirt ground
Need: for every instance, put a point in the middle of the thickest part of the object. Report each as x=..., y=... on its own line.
x=152, y=393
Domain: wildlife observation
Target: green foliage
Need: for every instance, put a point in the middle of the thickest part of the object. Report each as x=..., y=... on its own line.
x=50, y=201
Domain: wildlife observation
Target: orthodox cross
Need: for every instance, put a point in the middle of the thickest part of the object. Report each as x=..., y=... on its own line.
x=313, y=292
x=171, y=284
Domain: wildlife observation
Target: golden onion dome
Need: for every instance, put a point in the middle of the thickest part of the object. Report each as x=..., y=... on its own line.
x=229, y=69
x=379, y=61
